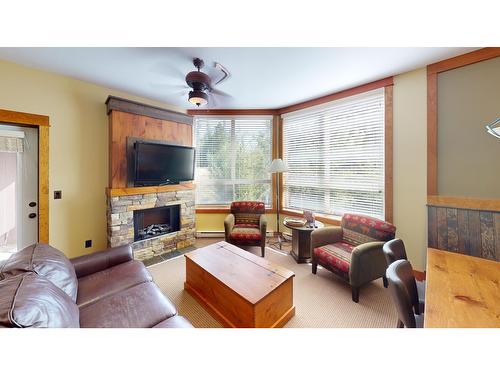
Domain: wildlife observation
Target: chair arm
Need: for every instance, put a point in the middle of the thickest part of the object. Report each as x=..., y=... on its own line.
x=324, y=236
x=101, y=260
x=263, y=226
x=228, y=225
x=367, y=263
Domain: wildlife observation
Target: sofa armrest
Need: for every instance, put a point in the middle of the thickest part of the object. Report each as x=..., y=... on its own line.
x=101, y=260
x=324, y=236
x=367, y=263
x=228, y=225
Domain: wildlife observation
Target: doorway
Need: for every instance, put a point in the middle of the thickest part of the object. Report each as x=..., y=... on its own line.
x=18, y=188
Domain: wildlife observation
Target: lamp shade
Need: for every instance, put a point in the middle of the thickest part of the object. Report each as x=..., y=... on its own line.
x=278, y=165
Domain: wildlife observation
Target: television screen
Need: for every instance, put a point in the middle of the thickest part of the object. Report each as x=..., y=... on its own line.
x=160, y=164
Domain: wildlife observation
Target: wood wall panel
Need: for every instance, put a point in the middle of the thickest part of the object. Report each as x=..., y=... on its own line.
x=123, y=125
x=432, y=227
x=464, y=230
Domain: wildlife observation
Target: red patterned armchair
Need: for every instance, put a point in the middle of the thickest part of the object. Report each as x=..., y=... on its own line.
x=246, y=224
x=353, y=251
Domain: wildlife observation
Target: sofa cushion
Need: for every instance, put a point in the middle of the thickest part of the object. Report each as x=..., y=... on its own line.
x=336, y=256
x=174, y=322
x=30, y=300
x=141, y=306
x=111, y=280
x=45, y=261
x=245, y=233
x=359, y=229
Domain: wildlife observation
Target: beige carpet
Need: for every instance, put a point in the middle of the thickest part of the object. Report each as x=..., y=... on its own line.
x=321, y=301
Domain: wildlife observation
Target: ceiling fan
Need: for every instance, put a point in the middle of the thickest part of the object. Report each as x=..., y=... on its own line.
x=201, y=83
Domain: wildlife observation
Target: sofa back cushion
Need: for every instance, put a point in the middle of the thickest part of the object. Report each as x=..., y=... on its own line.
x=247, y=212
x=359, y=229
x=45, y=261
x=30, y=300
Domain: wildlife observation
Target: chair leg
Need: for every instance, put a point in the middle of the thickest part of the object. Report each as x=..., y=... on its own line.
x=384, y=279
x=314, y=267
x=355, y=294
x=400, y=324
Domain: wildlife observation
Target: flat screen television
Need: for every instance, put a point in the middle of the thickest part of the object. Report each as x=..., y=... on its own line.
x=162, y=164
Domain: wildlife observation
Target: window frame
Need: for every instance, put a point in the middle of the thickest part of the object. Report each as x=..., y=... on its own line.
x=233, y=115
x=387, y=85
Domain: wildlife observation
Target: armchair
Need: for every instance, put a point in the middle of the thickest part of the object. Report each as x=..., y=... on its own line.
x=246, y=225
x=353, y=251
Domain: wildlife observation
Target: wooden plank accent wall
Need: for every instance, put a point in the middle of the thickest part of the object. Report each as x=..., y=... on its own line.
x=123, y=125
x=467, y=231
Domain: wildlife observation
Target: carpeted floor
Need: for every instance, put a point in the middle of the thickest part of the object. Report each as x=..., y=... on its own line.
x=321, y=301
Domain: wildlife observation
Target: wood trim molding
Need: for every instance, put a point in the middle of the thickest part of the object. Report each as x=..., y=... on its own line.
x=22, y=118
x=464, y=202
x=463, y=60
x=325, y=219
x=114, y=103
x=432, y=134
x=43, y=184
x=118, y=192
x=232, y=112
x=388, y=154
x=339, y=95
x=223, y=210
x=432, y=105
x=42, y=122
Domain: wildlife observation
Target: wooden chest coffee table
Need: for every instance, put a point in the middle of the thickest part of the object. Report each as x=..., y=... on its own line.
x=238, y=288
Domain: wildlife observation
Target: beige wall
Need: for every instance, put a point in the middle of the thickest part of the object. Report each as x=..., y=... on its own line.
x=78, y=149
x=410, y=163
x=468, y=99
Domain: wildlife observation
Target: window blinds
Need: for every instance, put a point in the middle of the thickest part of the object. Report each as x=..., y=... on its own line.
x=232, y=156
x=335, y=154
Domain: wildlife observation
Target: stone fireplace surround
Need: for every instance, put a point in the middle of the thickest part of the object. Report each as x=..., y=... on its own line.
x=120, y=215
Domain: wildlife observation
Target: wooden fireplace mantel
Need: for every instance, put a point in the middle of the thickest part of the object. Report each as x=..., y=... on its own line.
x=118, y=192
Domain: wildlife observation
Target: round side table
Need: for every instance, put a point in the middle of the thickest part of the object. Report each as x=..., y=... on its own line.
x=301, y=241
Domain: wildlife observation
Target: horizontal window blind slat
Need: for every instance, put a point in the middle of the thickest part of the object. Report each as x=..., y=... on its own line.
x=335, y=156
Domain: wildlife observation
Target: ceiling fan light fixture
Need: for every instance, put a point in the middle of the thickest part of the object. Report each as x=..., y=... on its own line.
x=198, y=97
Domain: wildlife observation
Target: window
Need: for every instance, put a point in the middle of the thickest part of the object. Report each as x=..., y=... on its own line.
x=232, y=157
x=335, y=154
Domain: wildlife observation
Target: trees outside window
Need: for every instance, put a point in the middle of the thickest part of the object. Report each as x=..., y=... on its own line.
x=232, y=157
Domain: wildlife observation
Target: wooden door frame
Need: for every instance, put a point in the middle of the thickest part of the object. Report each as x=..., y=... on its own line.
x=42, y=123
x=432, y=105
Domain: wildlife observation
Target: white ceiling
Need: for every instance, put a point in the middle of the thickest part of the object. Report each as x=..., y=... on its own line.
x=261, y=77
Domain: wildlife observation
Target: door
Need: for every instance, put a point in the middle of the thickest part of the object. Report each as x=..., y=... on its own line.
x=18, y=188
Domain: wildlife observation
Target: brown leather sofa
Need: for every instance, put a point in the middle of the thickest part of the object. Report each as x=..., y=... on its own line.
x=40, y=287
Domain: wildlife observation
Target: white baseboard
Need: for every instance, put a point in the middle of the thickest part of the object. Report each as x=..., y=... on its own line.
x=209, y=234
x=216, y=234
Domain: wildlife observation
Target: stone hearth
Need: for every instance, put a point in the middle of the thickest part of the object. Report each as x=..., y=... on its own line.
x=121, y=222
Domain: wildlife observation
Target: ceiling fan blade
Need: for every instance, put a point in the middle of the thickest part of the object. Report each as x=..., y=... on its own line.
x=212, y=101
x=169, y=86
x=224, y=73
x=219, y=92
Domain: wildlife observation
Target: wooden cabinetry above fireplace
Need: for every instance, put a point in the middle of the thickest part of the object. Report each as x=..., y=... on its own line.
x=132, y=119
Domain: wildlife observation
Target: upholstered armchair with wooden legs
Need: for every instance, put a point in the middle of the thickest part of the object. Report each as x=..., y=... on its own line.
x=353, y=251
x=246, y=225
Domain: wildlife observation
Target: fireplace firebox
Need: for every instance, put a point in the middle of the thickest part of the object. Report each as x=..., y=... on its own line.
x=154, y=222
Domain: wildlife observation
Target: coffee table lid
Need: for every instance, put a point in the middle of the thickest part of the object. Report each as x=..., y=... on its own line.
x=251, y=276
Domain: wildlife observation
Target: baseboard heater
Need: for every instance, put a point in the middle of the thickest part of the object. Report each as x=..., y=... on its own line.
x=216, y=233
